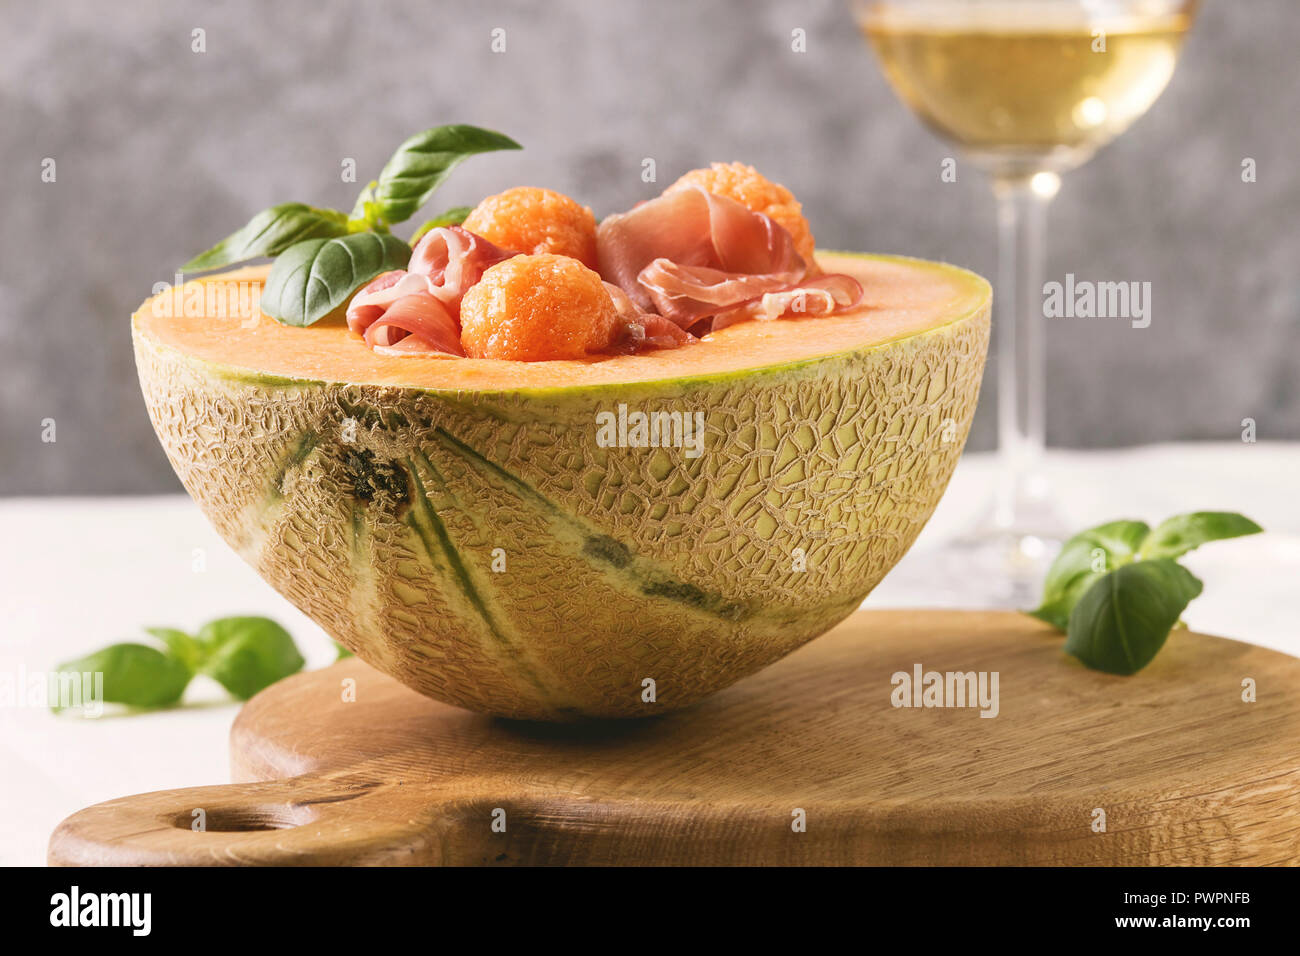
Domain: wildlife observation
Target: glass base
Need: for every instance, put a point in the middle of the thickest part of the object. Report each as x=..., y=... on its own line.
x=1002, y=560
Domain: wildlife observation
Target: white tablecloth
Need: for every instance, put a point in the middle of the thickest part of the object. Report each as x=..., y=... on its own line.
x=78, y=573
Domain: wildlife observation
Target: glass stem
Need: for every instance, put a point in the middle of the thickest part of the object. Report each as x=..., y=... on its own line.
x=1022, y=213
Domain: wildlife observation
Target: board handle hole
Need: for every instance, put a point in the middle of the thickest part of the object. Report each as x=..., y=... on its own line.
x=246, y=819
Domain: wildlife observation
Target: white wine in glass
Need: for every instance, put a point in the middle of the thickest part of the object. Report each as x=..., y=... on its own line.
x=1027, y=90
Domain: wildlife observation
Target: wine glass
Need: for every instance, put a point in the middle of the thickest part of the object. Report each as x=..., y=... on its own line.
x=1027, y=90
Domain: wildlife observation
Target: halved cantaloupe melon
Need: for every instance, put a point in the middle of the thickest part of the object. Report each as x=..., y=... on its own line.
x=464, y=526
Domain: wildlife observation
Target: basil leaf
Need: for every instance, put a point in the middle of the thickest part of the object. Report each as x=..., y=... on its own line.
x=1182, y=533
x=1123, y=618
x=134, y=674
x=313, y=278
x=1075, y=567
x=246, y=654
x=421, y=163
x=271, y=232
x=452, y=217
x=180, y=645
x=1117, y=538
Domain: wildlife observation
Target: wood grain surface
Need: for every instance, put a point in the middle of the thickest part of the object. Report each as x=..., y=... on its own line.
x=1184, y=770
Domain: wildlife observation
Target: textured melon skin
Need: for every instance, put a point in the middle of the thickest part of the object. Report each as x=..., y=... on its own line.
x=377, y=510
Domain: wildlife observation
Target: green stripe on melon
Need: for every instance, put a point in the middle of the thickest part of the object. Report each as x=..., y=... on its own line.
x=622, y=564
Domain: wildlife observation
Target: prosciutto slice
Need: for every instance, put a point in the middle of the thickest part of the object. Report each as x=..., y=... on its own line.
x=454, y=259
x=368, y=305
x=690, y=227
x=823, y=294
x=687, y=294
x=643, y=331
x=418, y=322
x=691, y=255
x=422, y=302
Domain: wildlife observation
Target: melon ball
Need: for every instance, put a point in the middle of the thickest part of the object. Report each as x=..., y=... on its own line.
x=747, y=186
x=537, y=308
x=531, y=220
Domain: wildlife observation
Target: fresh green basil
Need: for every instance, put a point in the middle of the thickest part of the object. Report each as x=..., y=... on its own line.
x=270, y=233
x=243, y=654
x=322, y=256
x=1182, y=533
x=1117, y=592
x=246, y=654
x=420, y=165
x=313, y=278
x=1082, y=560
x=1123, y=619
x=134, y=674
x=452, y=217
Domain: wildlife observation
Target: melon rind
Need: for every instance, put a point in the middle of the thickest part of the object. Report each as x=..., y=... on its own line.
x=622, y=565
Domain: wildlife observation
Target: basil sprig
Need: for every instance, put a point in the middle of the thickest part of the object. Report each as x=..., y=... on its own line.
x=325, y=255
x=1117, y=592
x=242, y=654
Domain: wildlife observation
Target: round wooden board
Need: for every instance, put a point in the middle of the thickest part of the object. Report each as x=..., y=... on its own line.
x=1184, y=770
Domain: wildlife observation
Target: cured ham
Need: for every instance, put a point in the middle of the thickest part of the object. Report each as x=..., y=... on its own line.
x=368, y=305
x=454, y=259
x=687, y=294
x=418, y=322
x=422, y=302
x=692, y=256
x=689, y=227
x=644, y=331
x=823, y=294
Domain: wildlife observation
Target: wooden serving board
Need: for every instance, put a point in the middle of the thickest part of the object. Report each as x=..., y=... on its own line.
x=1184, y=770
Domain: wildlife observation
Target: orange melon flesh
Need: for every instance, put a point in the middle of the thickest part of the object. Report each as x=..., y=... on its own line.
x=471, y=528
x=903, y=297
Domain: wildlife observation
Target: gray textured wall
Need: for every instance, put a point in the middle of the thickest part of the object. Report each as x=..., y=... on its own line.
x=160, y=151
